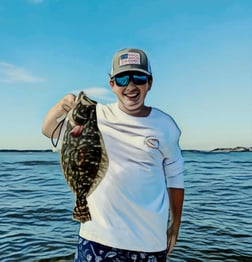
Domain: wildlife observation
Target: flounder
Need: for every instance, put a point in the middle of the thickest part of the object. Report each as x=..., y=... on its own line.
x=83, y=155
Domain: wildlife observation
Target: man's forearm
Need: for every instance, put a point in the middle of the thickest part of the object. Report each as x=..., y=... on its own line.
x=176, y=197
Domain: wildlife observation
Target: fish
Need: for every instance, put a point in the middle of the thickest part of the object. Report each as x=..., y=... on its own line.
x=83, y=155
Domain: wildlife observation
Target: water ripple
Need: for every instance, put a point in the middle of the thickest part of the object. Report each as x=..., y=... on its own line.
x=36, y=209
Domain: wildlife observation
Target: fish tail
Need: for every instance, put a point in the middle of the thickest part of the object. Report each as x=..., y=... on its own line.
x=81, y=213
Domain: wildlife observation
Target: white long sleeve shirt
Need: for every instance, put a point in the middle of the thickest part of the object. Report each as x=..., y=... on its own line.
x=130, y=206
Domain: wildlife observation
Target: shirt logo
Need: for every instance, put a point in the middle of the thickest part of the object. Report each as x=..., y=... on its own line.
x=152, y=142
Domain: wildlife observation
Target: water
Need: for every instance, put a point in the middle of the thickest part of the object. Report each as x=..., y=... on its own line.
x=36, y=208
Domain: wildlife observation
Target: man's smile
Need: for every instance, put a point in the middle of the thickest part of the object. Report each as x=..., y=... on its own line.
x=132, y=95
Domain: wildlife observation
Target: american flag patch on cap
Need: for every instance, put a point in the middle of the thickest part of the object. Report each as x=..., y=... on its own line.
x=130, y=58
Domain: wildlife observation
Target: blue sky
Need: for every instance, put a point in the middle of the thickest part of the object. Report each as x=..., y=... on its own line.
x=200, y=52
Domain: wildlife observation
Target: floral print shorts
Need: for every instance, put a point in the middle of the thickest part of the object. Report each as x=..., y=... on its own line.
x=89, y=251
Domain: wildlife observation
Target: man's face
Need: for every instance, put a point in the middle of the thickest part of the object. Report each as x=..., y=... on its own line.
x=131, y=89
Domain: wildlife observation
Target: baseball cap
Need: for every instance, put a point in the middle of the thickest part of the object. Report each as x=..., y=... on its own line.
x=130, y=59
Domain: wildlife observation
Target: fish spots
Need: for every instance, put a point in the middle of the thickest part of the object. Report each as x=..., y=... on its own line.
x=83, y=155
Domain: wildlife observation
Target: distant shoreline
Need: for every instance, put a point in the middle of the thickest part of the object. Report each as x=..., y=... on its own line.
x=216, y=150
x=234, y=149
x=26, y=150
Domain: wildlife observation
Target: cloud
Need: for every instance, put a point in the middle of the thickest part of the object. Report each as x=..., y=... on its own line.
x=99, y=93
x=12, y=74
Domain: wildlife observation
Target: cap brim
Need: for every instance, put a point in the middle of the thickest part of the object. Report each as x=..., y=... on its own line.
x=130, y=69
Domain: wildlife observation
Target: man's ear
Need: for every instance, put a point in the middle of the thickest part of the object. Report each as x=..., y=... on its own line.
x=150, y=84
x=111, y=83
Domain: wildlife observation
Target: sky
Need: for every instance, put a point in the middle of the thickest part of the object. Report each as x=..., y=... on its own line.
x=200, y=53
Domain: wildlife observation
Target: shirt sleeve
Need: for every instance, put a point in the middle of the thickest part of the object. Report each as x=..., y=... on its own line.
x=173, y=164
x=174, y=173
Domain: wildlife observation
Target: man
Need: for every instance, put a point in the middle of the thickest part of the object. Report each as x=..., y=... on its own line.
x=144, y=181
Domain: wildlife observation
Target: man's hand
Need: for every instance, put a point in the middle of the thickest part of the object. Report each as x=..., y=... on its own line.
x=172, y=235
x=176, y=198
x=67, y=103
x=56, y=114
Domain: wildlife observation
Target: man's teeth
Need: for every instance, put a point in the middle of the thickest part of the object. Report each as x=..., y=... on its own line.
x=131, y=95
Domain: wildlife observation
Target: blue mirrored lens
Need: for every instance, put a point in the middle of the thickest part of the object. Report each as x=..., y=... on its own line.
x=122, y=81
x=137, y=79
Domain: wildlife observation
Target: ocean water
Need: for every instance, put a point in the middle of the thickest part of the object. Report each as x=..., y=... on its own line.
x=36, y=208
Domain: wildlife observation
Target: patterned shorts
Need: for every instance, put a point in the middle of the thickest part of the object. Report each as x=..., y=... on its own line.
x=89, y=251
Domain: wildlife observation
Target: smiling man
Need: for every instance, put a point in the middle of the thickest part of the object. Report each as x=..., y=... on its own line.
x=144, y=181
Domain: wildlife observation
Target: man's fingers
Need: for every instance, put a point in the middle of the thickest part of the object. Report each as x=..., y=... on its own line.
x=170, y=247
x=172, y=239
x=68, y=102
x=66, y=108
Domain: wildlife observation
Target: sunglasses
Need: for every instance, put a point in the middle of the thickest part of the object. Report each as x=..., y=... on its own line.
x=125, y=79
